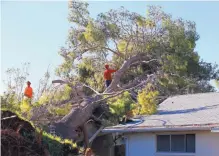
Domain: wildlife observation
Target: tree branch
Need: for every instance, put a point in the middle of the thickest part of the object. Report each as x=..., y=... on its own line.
x=115, y=52
x=126, y=65
x=147, y=62
x=65, y=82
x=150, y=78
x=91, y=89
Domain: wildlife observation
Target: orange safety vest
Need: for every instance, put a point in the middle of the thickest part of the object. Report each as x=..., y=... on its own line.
x=28, y=92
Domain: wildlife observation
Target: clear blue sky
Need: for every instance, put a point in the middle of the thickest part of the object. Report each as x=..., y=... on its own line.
x=34, y=31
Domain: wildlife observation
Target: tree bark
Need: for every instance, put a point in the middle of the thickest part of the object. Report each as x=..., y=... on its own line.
x=86, y=140
x=68, y=125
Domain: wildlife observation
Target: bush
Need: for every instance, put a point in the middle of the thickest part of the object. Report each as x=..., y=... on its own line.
x=147, y=103
x=121, y=105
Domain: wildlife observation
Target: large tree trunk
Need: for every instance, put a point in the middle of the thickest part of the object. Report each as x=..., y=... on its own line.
x=68, y=126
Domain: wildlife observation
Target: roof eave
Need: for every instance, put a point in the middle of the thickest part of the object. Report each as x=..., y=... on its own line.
x=138, y=130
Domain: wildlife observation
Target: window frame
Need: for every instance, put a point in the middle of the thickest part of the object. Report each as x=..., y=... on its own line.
x=185, y=143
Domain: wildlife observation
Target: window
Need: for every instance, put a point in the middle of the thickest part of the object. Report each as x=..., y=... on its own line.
x=176, y=143
x=190, y=143
x=163, y=143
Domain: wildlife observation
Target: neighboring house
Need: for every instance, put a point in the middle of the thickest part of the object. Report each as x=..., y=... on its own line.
x=184, y=125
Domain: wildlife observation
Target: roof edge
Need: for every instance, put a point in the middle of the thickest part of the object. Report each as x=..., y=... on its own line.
x=138, y=130
x=194, y=94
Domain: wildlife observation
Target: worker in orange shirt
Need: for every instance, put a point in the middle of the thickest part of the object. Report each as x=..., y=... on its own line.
x=28, y=90
x=25, y=105
x=108, y=75
x=28, y=93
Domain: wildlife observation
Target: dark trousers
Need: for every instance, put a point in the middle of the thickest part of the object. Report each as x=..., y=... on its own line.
x=108, y=82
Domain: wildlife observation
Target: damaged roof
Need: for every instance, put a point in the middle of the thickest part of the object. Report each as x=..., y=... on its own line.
x=192, y=111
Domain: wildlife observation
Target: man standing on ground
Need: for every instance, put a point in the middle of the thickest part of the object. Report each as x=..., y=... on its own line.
x=25, y=105
x=108, y=75
x=28, y=93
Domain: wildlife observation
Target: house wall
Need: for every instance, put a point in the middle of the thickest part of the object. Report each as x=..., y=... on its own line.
x=103, y=146
x=140, y=144
x=207, y=144
x=144, y=144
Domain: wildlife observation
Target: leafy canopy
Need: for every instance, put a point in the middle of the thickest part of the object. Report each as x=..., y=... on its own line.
x=117, y=35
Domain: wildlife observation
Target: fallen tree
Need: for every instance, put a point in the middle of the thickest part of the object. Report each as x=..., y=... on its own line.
x=154, y=55
x=78, y=117
x=155, y=50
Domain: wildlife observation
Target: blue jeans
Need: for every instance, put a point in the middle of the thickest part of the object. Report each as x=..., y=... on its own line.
x=108, y=82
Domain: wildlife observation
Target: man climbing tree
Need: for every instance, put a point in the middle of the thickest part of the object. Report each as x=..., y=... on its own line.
x=108, y=75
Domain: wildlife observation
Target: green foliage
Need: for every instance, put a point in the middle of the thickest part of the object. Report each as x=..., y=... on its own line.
x=78, y=12
x=9, y=101
x=56, y=95
x=125, y=47
x=25, y=107
x=124, y=33
x=61, y=111
x=58, y=146
x=90, y=72
x=147, y=103
x=85, y=69
x=146, y=23
x=121, y=105
x=94, y=34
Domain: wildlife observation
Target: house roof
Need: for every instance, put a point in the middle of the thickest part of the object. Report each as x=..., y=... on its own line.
x=192, y=111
